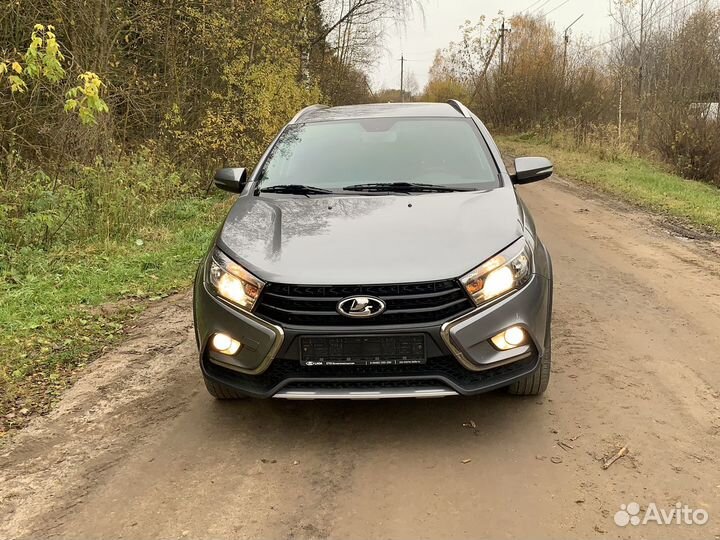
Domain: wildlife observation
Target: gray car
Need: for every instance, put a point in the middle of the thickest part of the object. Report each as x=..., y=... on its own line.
x=376, y=251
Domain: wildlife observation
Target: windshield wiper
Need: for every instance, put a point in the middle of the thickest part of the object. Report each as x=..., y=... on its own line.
x=295, y=189
x=402, y=187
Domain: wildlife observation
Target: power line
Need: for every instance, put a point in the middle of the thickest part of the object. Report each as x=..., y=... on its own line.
x=556, y=8
x=668, y=4
x=531, y=6
x=622, y=35
x=545, y=3
x=659, y=11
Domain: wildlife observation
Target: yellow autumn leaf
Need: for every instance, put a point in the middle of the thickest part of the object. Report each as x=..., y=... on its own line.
x=16, y=67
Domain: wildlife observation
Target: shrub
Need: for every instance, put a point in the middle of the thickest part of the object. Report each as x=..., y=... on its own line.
x=693, y=148
x=103, y=201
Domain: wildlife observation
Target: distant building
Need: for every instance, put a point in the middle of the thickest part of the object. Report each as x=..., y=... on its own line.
x=707, y=106
x=708, y=111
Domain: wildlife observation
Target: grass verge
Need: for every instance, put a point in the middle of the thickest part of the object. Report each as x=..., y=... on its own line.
x=69, y=303
x=631, y=179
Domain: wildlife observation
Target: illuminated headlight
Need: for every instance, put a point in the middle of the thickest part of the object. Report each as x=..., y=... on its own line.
x=232, y=282
x=505, y=272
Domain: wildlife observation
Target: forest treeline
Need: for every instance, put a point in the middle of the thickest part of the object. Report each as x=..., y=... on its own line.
x=652, y=88
x=110, y=107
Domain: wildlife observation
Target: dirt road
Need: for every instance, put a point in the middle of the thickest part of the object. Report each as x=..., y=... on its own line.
x=137, y=449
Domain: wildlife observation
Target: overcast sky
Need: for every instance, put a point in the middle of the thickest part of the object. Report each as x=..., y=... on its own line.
x=419, y=40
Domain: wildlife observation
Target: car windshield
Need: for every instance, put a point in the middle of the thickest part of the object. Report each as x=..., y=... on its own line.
x=339, y=154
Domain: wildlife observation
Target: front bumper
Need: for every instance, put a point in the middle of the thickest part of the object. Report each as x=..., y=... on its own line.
x=461, y=360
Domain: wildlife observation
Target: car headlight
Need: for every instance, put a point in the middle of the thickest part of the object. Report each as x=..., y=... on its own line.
x=232, y=282
x=505, y=272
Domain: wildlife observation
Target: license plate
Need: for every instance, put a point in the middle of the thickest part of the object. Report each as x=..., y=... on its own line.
x=362, y=350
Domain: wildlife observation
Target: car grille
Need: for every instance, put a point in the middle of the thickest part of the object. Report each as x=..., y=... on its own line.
x=413, y=303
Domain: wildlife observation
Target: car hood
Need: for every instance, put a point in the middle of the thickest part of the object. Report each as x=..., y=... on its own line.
x=369, y=239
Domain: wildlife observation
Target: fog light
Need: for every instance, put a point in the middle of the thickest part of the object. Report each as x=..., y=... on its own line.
x=224, y=344
x=509, y=339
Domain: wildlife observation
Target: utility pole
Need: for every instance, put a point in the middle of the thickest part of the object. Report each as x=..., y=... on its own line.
x=485, y=69
x=402, y=78
x=566, y=37
x=502, y=45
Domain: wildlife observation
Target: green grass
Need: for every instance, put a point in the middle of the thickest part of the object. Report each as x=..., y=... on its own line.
x=632, y=179
x=60, y=308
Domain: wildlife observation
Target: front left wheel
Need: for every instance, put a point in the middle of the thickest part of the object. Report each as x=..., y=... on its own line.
x=537, y=382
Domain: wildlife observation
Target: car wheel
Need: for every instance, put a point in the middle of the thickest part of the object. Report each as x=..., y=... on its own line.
x=220, y=391
x=537, y=382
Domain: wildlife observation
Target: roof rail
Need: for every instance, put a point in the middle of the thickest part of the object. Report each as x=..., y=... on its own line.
x=459, y=107
x=306, y=110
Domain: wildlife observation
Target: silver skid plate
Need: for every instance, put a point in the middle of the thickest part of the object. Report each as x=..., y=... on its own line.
x=383, y=393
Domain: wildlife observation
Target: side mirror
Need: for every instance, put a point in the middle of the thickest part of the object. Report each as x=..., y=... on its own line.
x=232, y=180
x=531, y=169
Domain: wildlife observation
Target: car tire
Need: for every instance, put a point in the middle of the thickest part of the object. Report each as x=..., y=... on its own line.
x=537, y=382
x=220, y=391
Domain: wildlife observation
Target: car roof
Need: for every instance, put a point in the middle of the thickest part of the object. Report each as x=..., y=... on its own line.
x=319, y=113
